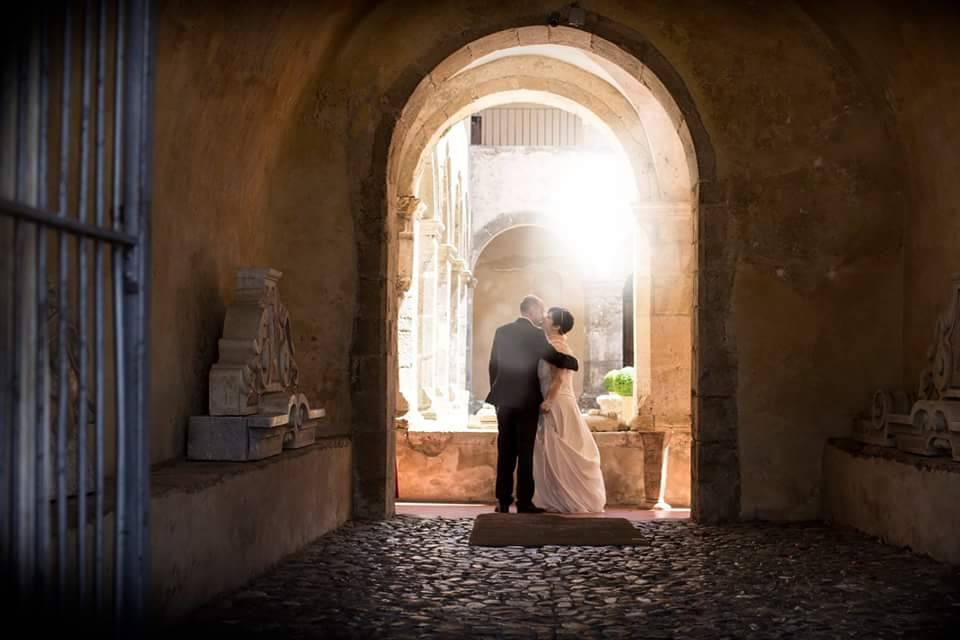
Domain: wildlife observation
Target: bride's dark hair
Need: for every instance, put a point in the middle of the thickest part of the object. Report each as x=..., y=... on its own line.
x=561, y=319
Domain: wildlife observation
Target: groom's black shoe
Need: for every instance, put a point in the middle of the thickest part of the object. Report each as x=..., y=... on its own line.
x=503, y=507
x=530, y=509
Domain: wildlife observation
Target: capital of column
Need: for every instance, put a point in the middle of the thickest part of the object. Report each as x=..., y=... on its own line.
x=410, y=206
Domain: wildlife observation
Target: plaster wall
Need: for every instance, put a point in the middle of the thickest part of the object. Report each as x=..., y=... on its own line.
x=234, y=187
x=910, y=58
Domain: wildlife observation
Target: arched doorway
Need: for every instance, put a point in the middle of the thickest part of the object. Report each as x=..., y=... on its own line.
x=679, y=178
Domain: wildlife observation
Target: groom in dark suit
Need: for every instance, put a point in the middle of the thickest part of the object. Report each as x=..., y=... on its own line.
x=518, y=348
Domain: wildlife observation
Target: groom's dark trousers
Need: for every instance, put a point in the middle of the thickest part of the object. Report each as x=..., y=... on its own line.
x=518, y=348
x=517, y=434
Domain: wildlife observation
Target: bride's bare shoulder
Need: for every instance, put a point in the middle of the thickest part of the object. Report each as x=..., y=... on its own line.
x=561, y=345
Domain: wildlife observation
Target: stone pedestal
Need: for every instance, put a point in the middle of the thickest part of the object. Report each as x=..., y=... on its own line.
x=255, y=408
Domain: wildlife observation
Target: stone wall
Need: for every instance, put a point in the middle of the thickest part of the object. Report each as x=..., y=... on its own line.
x=457, y=466
x=909, y=58
x=234, y=187
x=273, y=129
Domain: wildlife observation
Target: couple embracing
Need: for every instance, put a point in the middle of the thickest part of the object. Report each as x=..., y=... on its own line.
x=542, y=434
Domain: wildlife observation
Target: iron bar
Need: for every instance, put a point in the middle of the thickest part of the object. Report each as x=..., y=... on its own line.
x=28, y=213
x=63, y=186
x=142, y=486
x=83, y=300
x=99, y=361
x=24, y=544
x=135, y=480
x=7, y=350
x=43, y=361
x=118, y=325
x=31, y=498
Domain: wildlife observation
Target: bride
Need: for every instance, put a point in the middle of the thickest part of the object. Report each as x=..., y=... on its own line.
x=566, y=460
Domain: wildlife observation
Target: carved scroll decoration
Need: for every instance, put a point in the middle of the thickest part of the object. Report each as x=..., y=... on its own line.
x=256, y=350
x=255, y=407
x=927, y=422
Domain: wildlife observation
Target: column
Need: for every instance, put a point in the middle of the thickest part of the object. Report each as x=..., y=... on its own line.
x=429, y=258
x=474, y=404
x=442, y=330
x=454, y=355
x=409, y=209
x=603, y=309
x=671, y=309
x=671, y=249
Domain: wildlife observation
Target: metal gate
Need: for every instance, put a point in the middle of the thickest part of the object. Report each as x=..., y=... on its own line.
x=75, y=131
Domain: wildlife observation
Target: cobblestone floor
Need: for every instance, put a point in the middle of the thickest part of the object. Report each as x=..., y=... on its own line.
x=418, y=578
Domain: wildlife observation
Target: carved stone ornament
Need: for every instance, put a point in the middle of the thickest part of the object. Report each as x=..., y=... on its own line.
x=927, y=422
x=407, y=206
x=255, y=408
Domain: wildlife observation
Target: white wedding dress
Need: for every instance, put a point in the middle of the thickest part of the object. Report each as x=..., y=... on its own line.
x=566, y=460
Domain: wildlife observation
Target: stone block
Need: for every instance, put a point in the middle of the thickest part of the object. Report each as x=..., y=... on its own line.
x=672, y=294
x=570, y=37
x=675, y=229
x=673, y=256
x=664, y=97
x=450, y=66
x=677, y=491
x=716, y=482
x=494, y=42
x=602, y=423
x=714, y=244
x=533, y=35
x=235, y=438
x=715, y=419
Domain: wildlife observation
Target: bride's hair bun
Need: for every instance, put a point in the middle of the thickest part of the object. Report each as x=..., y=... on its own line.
x=561, y=318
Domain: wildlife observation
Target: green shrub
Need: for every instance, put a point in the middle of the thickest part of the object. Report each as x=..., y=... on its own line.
x=619, y=381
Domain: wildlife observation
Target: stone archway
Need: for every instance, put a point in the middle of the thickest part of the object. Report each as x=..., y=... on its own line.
x=715, y=466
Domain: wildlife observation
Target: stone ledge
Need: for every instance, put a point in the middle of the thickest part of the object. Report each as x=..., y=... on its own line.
x=862, y=450
x=217, y=525
x=906, y=500
x=460, y=466
x=192, y=476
